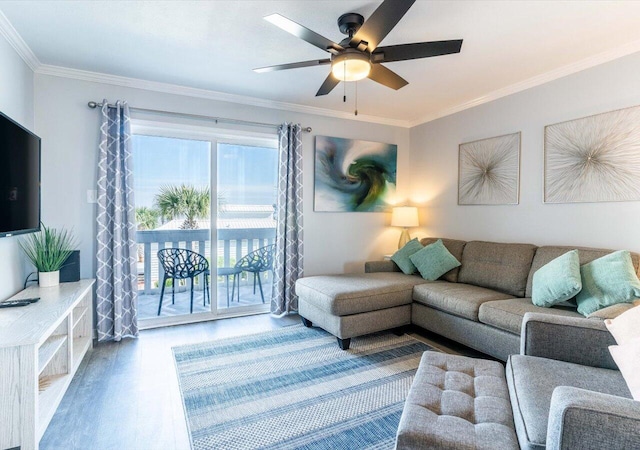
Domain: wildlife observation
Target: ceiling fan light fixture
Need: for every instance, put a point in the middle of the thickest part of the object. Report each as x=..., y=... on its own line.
x=351, y=66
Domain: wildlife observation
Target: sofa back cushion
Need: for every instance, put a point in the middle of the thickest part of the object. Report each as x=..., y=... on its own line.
x=503, y=267
x=455, y=247
x=586, y=255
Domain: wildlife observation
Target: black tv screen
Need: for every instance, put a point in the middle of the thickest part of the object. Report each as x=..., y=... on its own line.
x=19, y=179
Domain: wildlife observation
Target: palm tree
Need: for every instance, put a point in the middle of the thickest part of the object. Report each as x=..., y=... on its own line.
x=147, y=218
x=184, y=201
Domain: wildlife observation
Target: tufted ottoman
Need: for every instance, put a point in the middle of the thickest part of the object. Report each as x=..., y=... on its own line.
x=458, y=403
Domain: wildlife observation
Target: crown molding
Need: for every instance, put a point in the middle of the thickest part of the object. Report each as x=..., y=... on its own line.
x=19, y=45
x=583, y=64
x=96, y=77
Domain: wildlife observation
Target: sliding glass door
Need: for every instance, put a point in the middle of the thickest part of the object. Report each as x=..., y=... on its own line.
x=247, y=177
x=192, y=185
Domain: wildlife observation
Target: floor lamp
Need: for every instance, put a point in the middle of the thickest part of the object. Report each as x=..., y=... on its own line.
x=405, y=217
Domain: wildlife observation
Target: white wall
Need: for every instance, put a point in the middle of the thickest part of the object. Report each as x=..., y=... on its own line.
x=434, y=165
x=16, y=101
x=334, y=242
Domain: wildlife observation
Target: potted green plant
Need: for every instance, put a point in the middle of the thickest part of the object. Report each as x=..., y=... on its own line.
x=48, y=250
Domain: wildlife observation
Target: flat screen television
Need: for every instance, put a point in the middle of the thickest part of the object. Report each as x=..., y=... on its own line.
x=19, y=179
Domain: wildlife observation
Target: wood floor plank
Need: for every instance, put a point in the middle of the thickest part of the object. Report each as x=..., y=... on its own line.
x=125, y=394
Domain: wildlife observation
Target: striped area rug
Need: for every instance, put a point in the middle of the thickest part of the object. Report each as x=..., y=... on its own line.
x=294, y=388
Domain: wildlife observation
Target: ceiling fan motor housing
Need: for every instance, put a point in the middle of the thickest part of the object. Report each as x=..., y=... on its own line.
x=350, y=23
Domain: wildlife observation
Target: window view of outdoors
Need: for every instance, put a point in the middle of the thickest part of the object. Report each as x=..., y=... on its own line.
x=173, y=197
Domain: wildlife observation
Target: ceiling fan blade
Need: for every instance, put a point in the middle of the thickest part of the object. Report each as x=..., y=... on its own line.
x=329, y=83
x=414, y=51
x=303, y=33
x=381, y=22
x=389, y=78
x=315, y=62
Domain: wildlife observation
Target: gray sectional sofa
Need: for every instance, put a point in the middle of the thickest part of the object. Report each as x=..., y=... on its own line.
x=563, y=386
x=481, y=304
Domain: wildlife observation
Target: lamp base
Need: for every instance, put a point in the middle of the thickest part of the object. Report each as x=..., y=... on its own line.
x=404, y=238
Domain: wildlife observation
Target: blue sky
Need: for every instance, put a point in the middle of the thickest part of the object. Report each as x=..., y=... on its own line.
x=246, y=175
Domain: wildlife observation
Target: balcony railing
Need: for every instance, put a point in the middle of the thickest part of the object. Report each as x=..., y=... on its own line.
x=232, y=244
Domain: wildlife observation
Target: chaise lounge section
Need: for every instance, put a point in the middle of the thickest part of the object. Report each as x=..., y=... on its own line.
x=354, y=305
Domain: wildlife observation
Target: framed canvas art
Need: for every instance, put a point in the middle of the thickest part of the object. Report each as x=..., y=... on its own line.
x=489, y=171
x=593, y=159
x=354, y=175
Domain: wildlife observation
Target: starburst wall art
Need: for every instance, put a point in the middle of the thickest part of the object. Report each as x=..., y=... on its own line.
x=489, y=171
x=593, y=159
x=353, y=175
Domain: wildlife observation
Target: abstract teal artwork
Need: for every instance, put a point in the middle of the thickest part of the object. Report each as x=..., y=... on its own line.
x=353, y=175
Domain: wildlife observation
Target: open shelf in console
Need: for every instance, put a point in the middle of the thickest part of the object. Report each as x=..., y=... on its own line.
x=41, y=347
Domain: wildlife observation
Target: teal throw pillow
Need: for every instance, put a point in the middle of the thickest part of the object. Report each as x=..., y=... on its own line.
x=434, y=260
x=607, y=281
x=557, y=281
x=401, y=257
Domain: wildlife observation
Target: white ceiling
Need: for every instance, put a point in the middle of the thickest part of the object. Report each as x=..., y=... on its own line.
x=213, y=45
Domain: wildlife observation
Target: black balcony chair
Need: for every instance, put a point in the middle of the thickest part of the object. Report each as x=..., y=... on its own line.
x=256, y=262
x=182, y=264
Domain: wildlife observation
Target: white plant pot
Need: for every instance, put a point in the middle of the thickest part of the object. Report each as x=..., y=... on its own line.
x=49, y=279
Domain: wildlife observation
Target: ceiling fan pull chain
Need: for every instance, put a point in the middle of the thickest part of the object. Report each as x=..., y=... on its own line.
x=356, y=98
x=344, y=84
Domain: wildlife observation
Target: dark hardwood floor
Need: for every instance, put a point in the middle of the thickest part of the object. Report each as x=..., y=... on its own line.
x=125, y=394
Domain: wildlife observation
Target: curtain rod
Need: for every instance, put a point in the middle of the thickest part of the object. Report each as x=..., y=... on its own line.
x=94, y=105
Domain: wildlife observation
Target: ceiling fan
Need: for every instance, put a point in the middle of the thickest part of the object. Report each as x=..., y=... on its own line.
x=358, y=55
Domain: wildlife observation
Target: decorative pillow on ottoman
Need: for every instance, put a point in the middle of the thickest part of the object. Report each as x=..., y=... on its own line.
x=434, y=260
x=401, y=257
x=557, y=281
x=607, y=281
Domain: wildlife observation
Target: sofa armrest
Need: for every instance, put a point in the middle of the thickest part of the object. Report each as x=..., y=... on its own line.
x=380, y=266
x=585, y=419
x=571, y=339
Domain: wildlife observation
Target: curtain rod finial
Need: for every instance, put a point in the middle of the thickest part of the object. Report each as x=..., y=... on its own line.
x=307, y=129
x=92, y=105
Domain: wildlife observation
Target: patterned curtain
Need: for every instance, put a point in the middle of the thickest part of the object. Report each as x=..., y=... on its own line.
x=117, y=262
x=288, y=258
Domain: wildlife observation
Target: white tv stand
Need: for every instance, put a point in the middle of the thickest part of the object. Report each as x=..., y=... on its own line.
x=41, y=347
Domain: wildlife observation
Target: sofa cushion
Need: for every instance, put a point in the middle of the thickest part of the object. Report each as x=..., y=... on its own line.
x=341, y=295
x=455, y=247
x=531, y=383
x=460, y=299
x=613, y=311
x=508, y=314
x=434, y=260
x=502, y=267
x=457, y=402
x=606, y=281
x=547, y=253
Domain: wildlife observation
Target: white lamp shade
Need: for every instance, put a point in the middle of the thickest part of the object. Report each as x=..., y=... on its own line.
x=404, y=216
